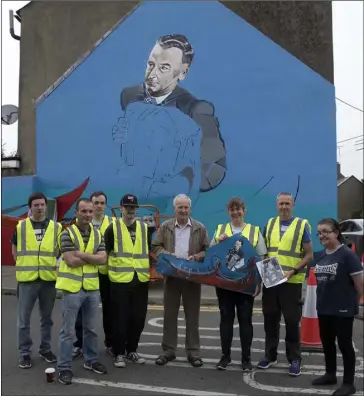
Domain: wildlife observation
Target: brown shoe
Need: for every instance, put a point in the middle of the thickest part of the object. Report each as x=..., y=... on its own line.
x=195, y=361
x=164, y=359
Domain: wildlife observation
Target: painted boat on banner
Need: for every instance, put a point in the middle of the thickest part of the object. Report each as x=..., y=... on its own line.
x=230, y=264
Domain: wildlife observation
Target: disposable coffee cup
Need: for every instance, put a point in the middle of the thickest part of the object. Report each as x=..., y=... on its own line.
x=51, y=375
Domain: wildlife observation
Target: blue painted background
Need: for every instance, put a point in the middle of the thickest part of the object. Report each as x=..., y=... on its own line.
x=276, y=115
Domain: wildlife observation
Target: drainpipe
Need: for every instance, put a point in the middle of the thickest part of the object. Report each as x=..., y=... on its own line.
x=11, y=20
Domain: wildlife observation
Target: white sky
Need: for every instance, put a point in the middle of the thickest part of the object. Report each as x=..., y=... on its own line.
x=348, y=65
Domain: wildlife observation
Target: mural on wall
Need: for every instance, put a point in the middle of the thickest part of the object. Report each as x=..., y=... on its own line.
x=221, y=111
x=184, y=154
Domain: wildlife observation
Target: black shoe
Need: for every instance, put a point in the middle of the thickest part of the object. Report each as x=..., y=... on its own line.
x=246, y=365
x=96, y=367
x=25, y=362
x=345, y=390
x=326, y=379
x=224, y=362
x=65, y=377
x=49, y=357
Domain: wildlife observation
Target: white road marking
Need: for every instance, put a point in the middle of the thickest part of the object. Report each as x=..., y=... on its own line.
x=150, y=388
x=155, y=322
x=208, y=360
x=208, y=337
x=235, y=366
x=249, y=379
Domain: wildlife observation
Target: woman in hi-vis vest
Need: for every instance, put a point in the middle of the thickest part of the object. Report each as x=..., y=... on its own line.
x=229, y=299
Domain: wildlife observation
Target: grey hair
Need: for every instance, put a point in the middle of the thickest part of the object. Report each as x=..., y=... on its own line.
x=181, y=196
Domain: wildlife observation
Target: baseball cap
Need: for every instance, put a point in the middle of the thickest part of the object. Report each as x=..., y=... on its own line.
x=129, y=200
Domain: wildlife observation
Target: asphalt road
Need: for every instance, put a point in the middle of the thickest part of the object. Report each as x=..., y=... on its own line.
x=178, y=377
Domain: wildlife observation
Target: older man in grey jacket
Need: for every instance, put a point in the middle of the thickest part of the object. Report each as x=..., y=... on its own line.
x=186, y=238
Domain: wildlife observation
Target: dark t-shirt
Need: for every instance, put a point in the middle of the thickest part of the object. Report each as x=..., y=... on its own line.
x=109, y=236
x=109, y=242
x=336, y=294
x=39, y=230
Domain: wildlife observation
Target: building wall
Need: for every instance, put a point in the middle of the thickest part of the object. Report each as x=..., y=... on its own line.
x=253, y=90
x=55, y=34
x=350, y=198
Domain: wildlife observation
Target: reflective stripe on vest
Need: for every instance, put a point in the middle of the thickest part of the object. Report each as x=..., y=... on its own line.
x=35, y=259
x=106, y=221
x=250, y=232
x=86, y=276
x=122, y=264
x=288, y=253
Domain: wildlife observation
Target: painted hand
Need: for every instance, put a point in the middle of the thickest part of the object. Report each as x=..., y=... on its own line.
x=192, y=258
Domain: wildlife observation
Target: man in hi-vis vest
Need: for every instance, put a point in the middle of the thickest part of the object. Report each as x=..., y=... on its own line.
x=83, y=251
x=288, y=238
x=127, y=242
x=35, y=250
x=100, y=221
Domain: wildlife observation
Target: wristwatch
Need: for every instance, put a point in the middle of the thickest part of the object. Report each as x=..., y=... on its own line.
x=295, y=270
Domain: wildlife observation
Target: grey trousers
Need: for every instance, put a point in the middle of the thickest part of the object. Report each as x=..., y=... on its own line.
x=28, y=293
x=190, y=292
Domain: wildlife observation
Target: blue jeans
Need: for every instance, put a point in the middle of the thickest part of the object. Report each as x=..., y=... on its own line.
x=89, y=302
x=28, y=293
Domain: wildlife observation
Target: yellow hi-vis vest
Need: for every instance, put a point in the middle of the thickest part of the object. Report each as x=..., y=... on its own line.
x=287, y=250
x=36, y=260
x=250, y=232
x=86, y=276
x=106, y=221
x=126, y=258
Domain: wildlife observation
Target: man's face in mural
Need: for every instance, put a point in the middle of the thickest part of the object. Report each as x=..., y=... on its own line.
x=164, y=70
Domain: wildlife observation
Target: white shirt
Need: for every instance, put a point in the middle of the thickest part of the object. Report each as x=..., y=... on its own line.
x=160, y=99
x=182, y=239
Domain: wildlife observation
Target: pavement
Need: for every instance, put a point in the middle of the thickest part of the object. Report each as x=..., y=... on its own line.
x=176, y=378
x=208, y=294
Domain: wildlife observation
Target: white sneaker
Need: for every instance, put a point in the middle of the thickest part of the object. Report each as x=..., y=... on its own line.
x=119, y=361
x=135, y=358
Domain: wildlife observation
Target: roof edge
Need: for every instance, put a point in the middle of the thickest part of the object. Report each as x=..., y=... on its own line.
x=83, y=57
x=18, y=12
x=340, y=182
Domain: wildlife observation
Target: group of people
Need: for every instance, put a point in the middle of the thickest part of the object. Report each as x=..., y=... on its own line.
x=102, y=255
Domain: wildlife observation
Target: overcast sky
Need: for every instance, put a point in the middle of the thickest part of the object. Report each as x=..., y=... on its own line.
x=348, y=65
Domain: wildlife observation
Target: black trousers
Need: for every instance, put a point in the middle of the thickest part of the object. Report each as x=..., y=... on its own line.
x=130, y=304
x=107, y=317
x=282, y=299
x=228, y=301
x=332, y=327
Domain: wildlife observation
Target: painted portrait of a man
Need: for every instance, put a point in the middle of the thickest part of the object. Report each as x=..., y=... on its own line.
x=168, y=64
